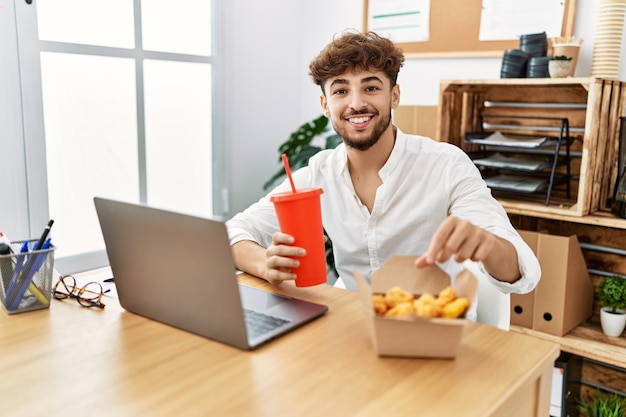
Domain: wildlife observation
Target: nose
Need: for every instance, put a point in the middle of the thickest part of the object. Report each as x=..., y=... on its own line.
x=357, y=101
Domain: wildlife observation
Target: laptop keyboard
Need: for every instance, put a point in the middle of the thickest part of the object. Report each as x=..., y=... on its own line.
x=260, y=323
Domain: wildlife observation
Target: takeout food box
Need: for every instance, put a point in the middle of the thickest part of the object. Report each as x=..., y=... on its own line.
x=414, y=336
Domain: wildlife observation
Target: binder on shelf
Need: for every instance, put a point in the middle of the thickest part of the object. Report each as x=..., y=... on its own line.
x=564, y=296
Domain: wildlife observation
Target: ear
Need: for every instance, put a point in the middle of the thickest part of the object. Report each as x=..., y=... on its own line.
x=395, y=96
x=324, y=104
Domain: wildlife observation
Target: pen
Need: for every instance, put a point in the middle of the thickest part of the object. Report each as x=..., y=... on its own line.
x=38, y=294
x=44, y=235
x=19, y=265
x=34, y=290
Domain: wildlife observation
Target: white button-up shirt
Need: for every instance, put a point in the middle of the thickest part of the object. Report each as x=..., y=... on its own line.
x=423, y=182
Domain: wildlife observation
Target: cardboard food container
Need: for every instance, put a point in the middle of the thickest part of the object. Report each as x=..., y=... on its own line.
x=415, y=336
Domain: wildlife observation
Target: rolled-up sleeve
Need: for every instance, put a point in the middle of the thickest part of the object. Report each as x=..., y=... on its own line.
x=257, y=223
x=529, y=269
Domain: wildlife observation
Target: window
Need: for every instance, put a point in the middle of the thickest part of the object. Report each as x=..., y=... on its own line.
x=126, y=98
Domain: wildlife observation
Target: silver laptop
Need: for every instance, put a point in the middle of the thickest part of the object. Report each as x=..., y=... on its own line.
x=178, y=269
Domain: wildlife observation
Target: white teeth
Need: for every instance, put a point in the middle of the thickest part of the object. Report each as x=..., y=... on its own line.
x=359, y=119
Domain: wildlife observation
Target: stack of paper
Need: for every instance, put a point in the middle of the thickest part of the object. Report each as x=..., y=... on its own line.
x=498, y=139
x=514, y=183
x=498, y=160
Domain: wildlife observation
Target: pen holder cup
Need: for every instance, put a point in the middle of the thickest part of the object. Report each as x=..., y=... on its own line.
x=26, y=278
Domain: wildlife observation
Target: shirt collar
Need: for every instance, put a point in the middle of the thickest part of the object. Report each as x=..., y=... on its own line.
x=398, y=150
x=393, y=160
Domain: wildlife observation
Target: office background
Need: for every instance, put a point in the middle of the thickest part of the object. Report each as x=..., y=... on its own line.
x=262, y=93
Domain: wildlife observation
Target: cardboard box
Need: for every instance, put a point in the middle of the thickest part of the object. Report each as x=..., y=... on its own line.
x=414, y=336
x=417, y=120
x=564, y=296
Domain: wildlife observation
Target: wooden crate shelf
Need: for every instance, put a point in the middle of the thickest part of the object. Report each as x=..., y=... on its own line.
x=593, y=107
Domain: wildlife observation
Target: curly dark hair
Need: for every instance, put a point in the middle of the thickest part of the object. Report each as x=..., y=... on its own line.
x=357, y=52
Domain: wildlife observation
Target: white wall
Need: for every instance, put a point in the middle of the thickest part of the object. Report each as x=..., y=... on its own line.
x=259, y=90
x=273, y=94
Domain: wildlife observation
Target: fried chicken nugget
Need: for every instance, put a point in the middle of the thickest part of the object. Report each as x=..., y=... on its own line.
x=380, y=306
x=446, y=295
x=455, y=308
x=426, y=306
x=401, y=310
x=397, y=295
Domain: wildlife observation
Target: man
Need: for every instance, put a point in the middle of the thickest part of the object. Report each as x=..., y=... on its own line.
x=385, y=193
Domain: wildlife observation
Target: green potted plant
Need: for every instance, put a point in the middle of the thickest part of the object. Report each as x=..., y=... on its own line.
x=559, y=66
x=310, y=138
x=612, y=294
x=600, y=405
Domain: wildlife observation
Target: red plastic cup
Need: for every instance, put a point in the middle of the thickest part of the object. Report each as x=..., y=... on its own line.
x=300, y=215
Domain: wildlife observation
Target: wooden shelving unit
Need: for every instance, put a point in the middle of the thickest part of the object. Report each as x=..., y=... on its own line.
x=594, y=108
x=598, y=219
x=588, y=341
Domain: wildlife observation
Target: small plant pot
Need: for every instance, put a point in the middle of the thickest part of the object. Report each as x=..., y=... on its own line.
x=567, y=49
x=612, y=323
x=559, y=68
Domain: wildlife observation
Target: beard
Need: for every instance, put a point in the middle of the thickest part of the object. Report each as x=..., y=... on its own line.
x=363, y=144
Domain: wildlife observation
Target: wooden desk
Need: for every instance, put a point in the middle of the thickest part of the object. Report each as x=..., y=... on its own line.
x=71, y=360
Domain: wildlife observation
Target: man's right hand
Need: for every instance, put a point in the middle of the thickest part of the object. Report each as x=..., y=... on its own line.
x=280, y=258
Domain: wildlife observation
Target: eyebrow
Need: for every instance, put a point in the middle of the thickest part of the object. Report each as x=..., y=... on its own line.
x=338, y=81
x=363, y=81
x=372, y=78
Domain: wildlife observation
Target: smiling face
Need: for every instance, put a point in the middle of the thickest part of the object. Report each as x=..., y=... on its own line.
x=359, y=106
